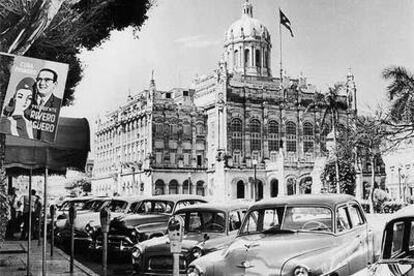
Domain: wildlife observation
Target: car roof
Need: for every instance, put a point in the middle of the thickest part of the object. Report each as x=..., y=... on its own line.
x=84, y=198
x=177, y=197
x=214, y=206
x=329, y=200
x=405, y=212
x=130, y=198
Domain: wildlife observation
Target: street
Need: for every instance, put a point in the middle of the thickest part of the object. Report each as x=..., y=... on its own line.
x=116, y=266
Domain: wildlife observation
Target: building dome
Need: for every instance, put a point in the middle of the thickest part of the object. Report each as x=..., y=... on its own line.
x=247, y=27
x=247, y=45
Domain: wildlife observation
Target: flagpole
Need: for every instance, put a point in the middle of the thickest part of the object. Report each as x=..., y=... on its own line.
x=280, y=35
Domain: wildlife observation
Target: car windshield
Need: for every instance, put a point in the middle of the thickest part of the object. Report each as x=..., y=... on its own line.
x=155, y=206
x=398, y=246
x=287, y=219
x=204, y=221
x=94, y=205
x=78, y=205
x=117, y=206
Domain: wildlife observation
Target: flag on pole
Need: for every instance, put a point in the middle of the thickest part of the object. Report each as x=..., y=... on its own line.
x=285, y=21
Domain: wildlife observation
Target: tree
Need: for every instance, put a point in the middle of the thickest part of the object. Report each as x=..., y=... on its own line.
x=57, y=30
x=331, y=104
x=399, y=119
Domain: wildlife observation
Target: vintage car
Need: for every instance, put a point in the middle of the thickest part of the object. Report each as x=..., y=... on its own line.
x=302, y=235
x=63, y=209
x=207, y=227
x=87, y=223
x=148, y=221
x=397, y=250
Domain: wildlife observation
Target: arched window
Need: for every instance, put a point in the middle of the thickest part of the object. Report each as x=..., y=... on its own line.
x=173, y=187
x=274, y=188
x=187, y=187
x=308, y=137
x=240, y=189
x=236, y=58
x=291, y=137
x=246, y=57
x=291, y=186
x=273, y=136
x=159, y=187
x=255, y=135
x=236, y=136
x=258, y=57
x=200, y=188
x=324, y=132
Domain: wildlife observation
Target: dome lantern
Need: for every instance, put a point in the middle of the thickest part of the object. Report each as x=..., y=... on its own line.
x=247, y=45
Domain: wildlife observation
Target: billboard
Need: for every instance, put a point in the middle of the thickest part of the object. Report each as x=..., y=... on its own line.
x=33, y=97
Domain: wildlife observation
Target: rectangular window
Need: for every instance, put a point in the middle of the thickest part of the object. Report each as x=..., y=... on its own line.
x=199, y=161
x=356, y=217
x=186, y=159
x=291, y=146
x=342, y=222
x=234, y=221
x=397, y=238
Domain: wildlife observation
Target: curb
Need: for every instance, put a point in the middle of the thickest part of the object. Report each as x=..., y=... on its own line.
x=75, y=262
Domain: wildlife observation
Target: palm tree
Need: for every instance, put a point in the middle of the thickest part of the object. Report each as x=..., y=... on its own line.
x=401, y=92
x=330, y=104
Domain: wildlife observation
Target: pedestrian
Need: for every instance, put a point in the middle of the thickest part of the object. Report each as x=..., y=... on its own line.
x=37, y=217
x=26, y=210
x=13, y=207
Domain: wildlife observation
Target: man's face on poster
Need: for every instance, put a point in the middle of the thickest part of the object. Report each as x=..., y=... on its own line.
x=45, y=84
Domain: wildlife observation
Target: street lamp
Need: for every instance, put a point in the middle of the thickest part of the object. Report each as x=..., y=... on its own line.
x=255, y=180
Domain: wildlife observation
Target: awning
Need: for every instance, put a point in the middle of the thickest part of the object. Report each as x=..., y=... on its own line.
x=70, y=150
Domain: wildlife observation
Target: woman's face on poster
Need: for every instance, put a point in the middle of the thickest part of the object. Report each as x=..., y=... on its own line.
x=23, y=99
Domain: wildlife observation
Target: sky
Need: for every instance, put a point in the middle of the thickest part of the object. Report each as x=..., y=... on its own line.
x=183, y=38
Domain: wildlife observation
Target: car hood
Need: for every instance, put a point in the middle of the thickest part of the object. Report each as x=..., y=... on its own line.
x=162, y=244
x=133, y=220
x=268, y=252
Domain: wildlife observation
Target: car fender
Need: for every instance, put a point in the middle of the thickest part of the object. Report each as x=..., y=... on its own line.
x=322, y=261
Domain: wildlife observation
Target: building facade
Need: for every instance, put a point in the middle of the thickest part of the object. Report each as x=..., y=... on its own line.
x=239, y=133
x=399, y=166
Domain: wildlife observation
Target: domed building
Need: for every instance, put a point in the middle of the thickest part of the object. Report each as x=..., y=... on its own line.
x=239, y=133
x=258, y=130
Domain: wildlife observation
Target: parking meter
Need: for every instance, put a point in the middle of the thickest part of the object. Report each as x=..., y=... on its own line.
x=105, y=217
x=175, y=233
x=52, y=210
x=72, y=214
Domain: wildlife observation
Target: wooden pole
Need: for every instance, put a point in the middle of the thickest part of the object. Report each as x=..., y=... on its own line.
x=44, y=224
x=29, y=223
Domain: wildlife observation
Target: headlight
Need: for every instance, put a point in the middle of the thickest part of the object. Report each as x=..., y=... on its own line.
x=137, y=251
x=194, y=271
x=301, y=271
x=89, y=229
x=196, y=252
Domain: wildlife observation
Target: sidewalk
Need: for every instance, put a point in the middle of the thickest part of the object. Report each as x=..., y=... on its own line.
x=13, y=259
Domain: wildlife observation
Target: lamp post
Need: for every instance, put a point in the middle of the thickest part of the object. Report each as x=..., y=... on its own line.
x=399, y=182
x=255, y=179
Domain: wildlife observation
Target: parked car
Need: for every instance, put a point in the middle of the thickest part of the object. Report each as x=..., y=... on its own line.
x=87, y=223
x=207, y=228
x=397, y=250
x=92, y=205
x=148, y=221
x=324, y=234
x=63, y=210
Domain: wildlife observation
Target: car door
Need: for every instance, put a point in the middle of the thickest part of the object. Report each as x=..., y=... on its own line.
x=360, y=227
x=345, y=236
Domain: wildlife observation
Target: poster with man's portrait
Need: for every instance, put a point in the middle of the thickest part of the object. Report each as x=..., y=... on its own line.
x=33, y=96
